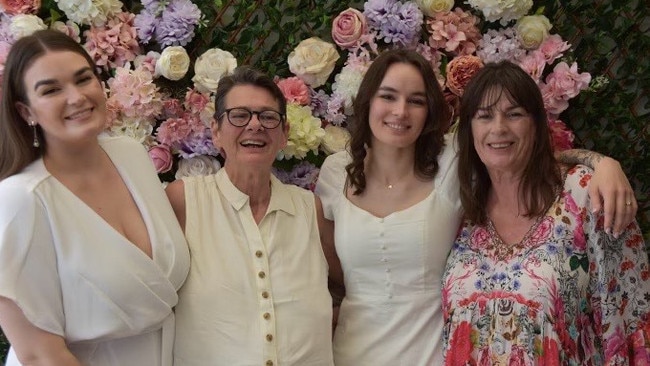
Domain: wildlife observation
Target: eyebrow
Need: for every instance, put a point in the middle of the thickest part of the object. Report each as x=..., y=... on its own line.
x=393, y=90
x=53, y=81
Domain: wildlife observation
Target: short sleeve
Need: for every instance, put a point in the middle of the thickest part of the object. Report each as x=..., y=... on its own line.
x=331, y=182
x=28, y=263
x=619, y=286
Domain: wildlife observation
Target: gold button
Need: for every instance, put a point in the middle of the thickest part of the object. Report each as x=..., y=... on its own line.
x=262, y=274
x=269, y=337
x=258, y=254
x=266, y=316
x=265, y=294
x=269, y=363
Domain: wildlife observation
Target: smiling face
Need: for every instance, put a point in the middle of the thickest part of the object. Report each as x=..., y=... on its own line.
x=251, y=146
x=398, y=109
x=503, y=134
x=65, y=98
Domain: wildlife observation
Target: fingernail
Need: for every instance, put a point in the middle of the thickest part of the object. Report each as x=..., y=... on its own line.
x=616, y=235
x=608, y=231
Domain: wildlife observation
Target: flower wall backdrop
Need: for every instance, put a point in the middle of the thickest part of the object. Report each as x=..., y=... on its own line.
x=161, y=74
x=161, y=61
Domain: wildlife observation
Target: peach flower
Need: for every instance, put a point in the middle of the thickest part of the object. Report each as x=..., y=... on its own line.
x=460, y=70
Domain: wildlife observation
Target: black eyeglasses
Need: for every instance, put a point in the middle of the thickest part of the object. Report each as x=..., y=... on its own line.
x=240, y=117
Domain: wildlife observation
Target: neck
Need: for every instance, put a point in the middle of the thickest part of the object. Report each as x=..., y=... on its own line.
x=505, y=198
x=389, y=167
x=72, y=160
x=255, y=184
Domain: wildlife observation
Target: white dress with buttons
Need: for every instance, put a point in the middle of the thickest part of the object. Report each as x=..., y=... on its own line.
x=391, y=314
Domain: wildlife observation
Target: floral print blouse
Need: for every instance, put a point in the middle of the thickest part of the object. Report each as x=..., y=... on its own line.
x=568, y=294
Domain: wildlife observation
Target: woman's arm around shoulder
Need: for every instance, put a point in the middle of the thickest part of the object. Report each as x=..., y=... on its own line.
x=609, y=190
x=33, y=346
x=176, y=193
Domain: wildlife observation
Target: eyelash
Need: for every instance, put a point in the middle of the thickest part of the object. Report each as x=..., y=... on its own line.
x=81, y=80
x=418, y=102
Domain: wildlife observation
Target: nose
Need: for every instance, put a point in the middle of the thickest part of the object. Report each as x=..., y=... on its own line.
x=254, y=124
x=75, y=96
x=499, y=124
x=400, y=108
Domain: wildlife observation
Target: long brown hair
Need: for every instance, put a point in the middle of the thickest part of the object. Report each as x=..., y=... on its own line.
x=541, y=175
x=16, y=136
x=430, y=142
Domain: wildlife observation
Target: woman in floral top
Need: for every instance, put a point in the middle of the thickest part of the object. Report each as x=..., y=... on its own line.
x=532, y=278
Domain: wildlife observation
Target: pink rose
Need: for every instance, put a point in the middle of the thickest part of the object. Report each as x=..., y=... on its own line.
x=562, y=137
x=460, y=70
x=348, y=27
x=162, y=158
x=294, y=90
x=13, y=7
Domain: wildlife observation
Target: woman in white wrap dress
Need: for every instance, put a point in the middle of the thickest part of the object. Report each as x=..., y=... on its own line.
x=91, y=255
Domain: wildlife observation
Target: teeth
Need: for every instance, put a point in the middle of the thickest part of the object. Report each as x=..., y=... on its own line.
x=501, y=145
x=253, y=142
x=83, y=113
x=396, y=126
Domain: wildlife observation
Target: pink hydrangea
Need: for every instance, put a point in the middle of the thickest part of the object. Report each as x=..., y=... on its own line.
x=533, y=63
x=13, y=7
x=115, y=43
x=295, y=90
x=455, y=31
x=173, y=130
x=563, y=84
x=553, y=48
x=196, y=101
x=135, y=93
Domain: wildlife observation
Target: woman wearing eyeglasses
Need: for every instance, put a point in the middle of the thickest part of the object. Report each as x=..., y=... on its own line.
x=257, y=289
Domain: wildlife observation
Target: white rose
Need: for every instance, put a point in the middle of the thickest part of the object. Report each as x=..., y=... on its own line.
x=198, y=165
x=25, y=24
x=313, y=61
x=532, y=30
x=212, y=66
x=431, y=7
x=173, y=63
x=335, y=140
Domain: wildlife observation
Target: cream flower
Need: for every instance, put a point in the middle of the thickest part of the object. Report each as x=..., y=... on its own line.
x=430, y=7
x=346, y=84
x=313, y=61
x=502, y=10
x=210, y=67
x=305, y=132
x=25, y=24
x=197, y=165
x=336, y=139
x=532, y=30
x=173, y=63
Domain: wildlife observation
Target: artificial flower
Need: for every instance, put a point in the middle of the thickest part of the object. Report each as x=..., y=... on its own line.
x=173, y=63
x=303, y=175
x=313, y=61
x=197, y=165
x=210, y=67
x=162, y=158
x=25, y=24
x=430, y=7
x=396, y=22
x=532, y=30
x=336, y=139
x=90, y=12
x=13, y=7
x=71, y=29
x=114, y=43
x=348, y=27
x=502, y=10
x=460, y=70
x=305, y=132
x=294, y=90
x=562, y=137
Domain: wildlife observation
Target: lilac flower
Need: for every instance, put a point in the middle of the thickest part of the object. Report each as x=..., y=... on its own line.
x=500, y=45
x=319, y=101
x=303, y=175
x=396, y=22
x=198, y=144
x=178, y=23
x=145, y=24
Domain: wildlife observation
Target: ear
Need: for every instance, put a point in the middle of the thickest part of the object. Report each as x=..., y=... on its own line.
x=285, y=133
x=216, y=134
x=24, y=111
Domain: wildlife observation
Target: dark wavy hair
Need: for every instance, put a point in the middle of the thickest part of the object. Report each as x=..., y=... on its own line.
x=541, y=176
x=246, y=75
x=16, y=136
x=430, y=142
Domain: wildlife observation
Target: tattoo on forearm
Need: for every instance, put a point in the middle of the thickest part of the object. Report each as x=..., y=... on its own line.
x=580, y=156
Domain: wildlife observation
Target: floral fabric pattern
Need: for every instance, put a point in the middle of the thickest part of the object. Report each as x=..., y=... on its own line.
x=568, y=294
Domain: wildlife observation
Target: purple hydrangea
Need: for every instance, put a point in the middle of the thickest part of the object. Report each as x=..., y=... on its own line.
x=303, y=175
x=395, y=22
x=178, y=23
x=145, y=24
x=198, y=144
